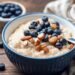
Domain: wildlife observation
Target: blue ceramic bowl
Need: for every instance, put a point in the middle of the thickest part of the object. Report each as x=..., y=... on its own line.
x=36, y=65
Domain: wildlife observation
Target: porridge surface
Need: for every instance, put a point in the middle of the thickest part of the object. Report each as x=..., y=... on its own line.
x=26, y=48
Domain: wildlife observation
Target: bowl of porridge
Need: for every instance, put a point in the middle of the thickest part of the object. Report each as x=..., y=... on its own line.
x=38, y=42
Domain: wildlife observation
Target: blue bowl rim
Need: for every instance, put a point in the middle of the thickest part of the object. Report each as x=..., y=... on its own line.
x=29, y=14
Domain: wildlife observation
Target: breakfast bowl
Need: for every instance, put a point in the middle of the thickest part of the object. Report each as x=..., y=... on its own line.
x=29, y=64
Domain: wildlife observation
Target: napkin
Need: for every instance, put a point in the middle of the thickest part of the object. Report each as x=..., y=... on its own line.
x=64, y=8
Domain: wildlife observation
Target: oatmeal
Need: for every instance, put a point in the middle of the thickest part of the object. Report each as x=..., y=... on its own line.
x=41, y=38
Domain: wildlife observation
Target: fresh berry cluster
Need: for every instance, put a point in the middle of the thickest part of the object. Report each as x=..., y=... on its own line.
x=46, y=32
x=9, y=10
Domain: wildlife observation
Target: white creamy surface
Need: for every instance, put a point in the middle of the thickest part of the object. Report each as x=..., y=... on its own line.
x=15, y=43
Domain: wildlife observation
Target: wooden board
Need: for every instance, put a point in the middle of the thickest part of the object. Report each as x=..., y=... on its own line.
x=31, y=6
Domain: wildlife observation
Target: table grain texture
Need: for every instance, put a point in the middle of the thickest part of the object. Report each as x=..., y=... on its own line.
x=31, y=6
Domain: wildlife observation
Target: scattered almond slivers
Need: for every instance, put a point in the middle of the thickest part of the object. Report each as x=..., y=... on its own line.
x=41, y=36
x=32, y=40
x=37, y=42
x=60, y=36
x=43, y=46
x=38, y=48
x=46, y=50
x=49, y=36
x=53, y=40
x=53, y=26
x=26, y=38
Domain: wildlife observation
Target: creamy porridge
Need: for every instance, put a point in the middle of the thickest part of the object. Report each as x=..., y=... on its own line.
x=41, y=38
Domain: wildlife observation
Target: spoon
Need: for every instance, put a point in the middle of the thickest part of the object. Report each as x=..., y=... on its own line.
x=72, y=40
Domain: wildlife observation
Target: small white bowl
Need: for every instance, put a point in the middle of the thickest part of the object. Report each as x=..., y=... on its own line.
x=16, y=3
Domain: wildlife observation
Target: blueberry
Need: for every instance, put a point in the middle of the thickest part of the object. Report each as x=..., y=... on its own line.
x=34, y=34
x=12, y=16
x=39, y=28
x=18, y=12
x=6, y=9
x=47, y=24
x=9, y=14
x=58, y=45
x=45, y=18
x=46, y=38
x=27, y=32
x=49, y=31
x=2, y=67
x=34, y=23
x=2, y=6
x=54, y=34
x=63, y=41
x=32, y=27
x=1, y=9
x=42, y=25
x=4, y=15
x=9, y=5
x=44, y=31
x=12, y=9
x=17, y=7
x=57, y=31
x=58, y=26
x=57, y=23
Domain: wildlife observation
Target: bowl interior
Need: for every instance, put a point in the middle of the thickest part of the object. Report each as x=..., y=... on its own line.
x=11, y=26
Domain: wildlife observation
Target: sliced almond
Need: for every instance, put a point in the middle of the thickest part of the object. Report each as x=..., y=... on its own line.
x=43, y=46
x=26, y=38
x=53, y=26
x=32, y=40
x=41, y=36
x=59, y=37
x=53, y=40
x=46, y=50
x=38, y=47
x=49, y=36
x=37, y=42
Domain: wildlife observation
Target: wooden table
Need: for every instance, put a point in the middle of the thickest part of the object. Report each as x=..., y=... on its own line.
x=31, y=6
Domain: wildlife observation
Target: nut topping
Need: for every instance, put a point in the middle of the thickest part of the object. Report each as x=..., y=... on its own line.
x=53, y=40
x=43, y=46
x=32, y=40
x=46, y=50
x=38, y=47
x=53, y=26
x=37, y=42
x=26, y=38
x=41, y=36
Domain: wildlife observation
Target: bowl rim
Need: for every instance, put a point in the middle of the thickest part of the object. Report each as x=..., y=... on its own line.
x=12, y=50
x=16, y=3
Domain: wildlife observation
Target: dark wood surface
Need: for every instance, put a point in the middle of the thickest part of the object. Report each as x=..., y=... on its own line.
x=31, y=6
